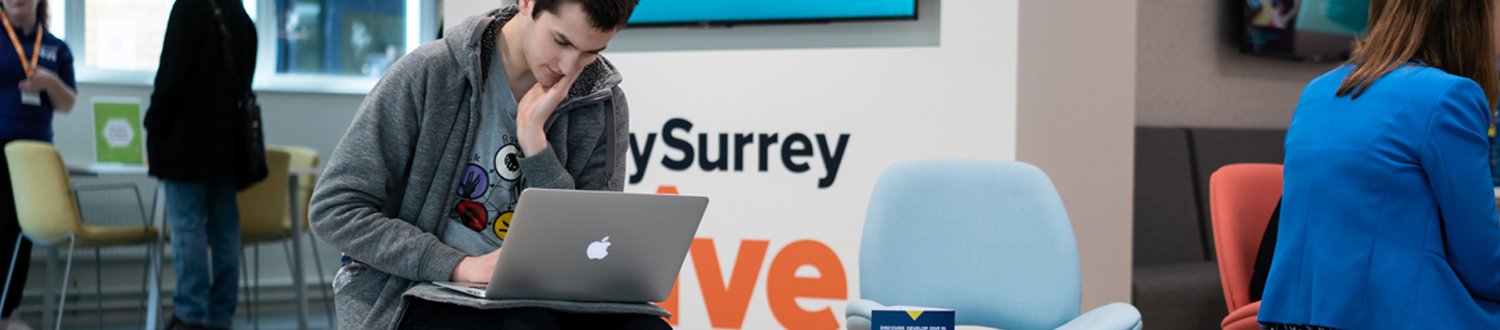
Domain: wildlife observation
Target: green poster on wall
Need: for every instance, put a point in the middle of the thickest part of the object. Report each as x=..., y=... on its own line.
x=117, y=131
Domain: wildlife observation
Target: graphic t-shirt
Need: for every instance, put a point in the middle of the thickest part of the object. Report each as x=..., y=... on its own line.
x=491, y=181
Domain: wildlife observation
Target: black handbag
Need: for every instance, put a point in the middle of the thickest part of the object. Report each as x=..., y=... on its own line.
x=250, y=143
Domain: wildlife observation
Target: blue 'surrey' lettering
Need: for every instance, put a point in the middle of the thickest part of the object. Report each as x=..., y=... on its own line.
x=794, y=149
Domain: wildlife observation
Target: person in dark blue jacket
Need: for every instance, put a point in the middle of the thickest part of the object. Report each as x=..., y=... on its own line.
x=1388, y=215
x=36, y=80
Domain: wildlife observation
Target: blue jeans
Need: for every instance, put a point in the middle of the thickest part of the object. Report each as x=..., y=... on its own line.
x=205, y=224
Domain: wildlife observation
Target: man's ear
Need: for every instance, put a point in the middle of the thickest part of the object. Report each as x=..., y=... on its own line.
x=525, y=7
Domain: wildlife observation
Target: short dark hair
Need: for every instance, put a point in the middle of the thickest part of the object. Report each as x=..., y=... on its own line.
x=604, y=15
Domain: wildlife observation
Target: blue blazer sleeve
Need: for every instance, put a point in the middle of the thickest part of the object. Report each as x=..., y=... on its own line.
x=1455, y=157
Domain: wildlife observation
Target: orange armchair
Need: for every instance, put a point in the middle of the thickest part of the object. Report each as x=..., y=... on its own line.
x=1241, y=199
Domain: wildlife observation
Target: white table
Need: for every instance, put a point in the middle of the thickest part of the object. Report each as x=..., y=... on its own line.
x=158, y=215
x=108, y=169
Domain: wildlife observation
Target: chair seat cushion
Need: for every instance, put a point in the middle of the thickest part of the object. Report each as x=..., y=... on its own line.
x=94, y=236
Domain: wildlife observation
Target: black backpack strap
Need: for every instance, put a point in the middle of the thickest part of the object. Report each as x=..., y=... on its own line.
x=228, y=51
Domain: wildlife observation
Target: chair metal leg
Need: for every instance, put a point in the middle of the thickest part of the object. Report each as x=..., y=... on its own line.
x=145, y=278
x=153, y=296
x=286, y=246
x=323, y=285
x=140, y=202
x=62, y=300
x=154, y=275
x=98, y=289
x=245, y=273
x=256, y=288
x=9, y=274
x=49, y=288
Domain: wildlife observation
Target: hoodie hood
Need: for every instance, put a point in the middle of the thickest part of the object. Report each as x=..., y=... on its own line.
x=469, y=49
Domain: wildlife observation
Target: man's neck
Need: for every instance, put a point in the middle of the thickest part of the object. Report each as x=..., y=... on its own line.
x=513, y=58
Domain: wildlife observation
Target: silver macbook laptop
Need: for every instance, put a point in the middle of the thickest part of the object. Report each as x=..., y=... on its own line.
x=592, y=246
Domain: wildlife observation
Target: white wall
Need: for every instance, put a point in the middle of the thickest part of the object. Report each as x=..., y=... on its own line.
x=1077, y=118
x=313, y=120
x=454, y=11
x=1192, y=74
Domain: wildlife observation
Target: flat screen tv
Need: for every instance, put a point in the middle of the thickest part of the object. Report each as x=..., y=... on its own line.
x=731, y=12
x=1309, y=30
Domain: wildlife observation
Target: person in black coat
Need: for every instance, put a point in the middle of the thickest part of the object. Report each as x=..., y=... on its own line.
x=196, y=146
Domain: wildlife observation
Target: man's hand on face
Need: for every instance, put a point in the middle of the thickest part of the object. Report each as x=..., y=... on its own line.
x=533, y=110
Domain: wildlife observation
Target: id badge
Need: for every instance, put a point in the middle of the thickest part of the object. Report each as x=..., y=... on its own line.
x=31, y=98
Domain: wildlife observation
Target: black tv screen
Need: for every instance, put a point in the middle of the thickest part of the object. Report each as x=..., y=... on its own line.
x=725, y=12
x=1311, y=30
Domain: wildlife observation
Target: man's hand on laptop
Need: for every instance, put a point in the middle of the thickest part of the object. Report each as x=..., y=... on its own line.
x=476, y=269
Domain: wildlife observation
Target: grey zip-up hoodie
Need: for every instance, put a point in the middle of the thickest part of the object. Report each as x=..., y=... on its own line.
x=385, y=189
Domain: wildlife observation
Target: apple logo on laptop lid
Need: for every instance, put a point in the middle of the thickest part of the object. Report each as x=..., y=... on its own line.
x=599, y=249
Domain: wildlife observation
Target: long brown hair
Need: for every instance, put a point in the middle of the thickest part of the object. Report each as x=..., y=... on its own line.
x=1451, y=35
x=42, y=15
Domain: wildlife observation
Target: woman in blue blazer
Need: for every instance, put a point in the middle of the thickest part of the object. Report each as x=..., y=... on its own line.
x=1388, y=218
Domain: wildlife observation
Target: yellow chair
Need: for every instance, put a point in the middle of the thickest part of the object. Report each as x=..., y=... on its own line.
x=264, y=205
x=265, y=211
x=47, y=210
x=305, y=160
x=263, y=208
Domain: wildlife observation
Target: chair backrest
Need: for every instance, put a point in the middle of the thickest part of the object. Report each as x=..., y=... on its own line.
x=45, y=202
x=1213, y=148
x=990, y=239
x=264, y=205
x=302, y=158
x=1242, y=198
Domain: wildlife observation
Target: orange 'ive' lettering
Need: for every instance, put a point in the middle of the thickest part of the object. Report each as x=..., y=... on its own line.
x=783, y=287
x=727, y=304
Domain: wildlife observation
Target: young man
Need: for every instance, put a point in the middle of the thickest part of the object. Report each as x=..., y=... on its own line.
x=422, y=186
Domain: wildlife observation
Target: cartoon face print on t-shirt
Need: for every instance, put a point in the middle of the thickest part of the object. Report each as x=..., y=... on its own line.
x=488, y=189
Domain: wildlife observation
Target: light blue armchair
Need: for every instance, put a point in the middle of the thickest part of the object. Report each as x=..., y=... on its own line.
x=989, y=239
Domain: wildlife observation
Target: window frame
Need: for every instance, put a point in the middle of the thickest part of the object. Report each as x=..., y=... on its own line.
x=421, y=27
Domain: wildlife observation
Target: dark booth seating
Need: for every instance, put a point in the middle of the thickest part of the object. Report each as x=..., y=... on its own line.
x=1175, y=278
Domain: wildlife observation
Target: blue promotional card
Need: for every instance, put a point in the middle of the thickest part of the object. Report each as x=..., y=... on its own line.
x=911, y=318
